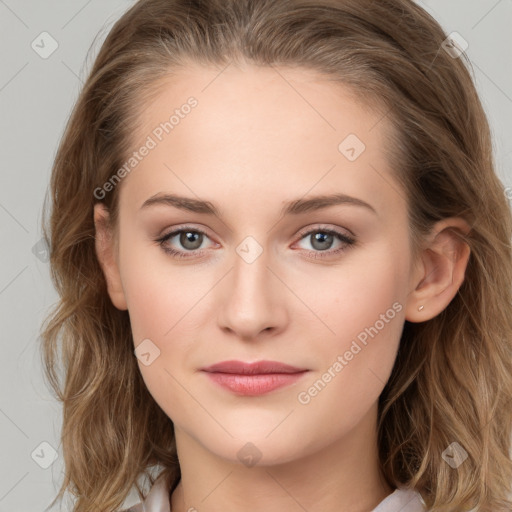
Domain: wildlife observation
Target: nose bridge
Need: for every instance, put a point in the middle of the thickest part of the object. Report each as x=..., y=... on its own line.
x=253, y=301
x=250, y=278
x=250, y=267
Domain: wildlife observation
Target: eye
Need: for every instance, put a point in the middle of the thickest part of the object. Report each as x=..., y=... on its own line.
x=322, y=239
x=190, y=239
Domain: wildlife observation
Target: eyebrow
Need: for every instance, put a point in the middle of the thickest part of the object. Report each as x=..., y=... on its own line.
x=295, y=207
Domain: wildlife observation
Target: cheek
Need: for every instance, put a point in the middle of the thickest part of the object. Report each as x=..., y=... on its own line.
x=158, y=293
x=159, y=304
x=364, y=310
x=164, y=303
x=368, y=289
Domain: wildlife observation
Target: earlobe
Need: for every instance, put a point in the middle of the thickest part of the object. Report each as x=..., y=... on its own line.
x=441, y=272
x=106, y=253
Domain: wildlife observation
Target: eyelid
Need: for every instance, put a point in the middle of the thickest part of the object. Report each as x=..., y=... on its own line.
x=328, y=228
x=184, y=227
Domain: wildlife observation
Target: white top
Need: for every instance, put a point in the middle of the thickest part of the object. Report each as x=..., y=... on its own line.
x=401, y=500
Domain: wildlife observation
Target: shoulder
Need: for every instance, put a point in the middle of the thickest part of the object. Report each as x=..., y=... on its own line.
x=157, y=499
x=404, y=500
x=139, y=507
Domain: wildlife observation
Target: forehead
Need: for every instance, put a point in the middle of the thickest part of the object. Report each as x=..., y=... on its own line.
x=259, y=132
x=268, y=98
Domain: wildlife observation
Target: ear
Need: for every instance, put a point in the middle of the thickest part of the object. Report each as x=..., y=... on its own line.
x=440, y=271
x=107, y=256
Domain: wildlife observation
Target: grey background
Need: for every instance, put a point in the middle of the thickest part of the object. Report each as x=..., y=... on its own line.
x=36, y=96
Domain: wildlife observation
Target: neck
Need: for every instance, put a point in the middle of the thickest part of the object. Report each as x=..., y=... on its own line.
x=344, y=476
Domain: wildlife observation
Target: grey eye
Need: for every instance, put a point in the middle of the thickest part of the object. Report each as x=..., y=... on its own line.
x=321, y=241
x=191, y=240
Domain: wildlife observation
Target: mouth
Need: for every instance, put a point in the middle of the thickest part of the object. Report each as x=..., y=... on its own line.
x=252, y=379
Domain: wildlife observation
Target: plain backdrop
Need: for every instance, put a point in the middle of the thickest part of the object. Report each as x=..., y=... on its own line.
x=39, y=83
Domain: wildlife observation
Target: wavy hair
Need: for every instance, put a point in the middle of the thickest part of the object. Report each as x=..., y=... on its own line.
x=452, y=380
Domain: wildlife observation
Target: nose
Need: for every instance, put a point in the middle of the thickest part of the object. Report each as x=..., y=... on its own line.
x=253, y=300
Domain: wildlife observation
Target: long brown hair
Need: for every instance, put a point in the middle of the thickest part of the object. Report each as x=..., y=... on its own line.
x=452, y=380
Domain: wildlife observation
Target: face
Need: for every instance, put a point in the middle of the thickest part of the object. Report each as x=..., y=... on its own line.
x=270, y=275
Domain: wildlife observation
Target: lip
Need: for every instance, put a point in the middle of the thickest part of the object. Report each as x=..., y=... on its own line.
x=256, y=368
x=251, y=379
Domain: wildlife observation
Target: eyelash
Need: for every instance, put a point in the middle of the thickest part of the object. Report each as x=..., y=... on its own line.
x=348, y=241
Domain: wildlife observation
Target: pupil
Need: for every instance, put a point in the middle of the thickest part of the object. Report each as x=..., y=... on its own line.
x=322, y=238
x=188, y=237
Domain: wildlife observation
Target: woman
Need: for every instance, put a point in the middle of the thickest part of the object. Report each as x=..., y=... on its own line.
x=284, y=263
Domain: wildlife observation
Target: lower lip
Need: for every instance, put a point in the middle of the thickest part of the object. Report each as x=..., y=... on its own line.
x=252, y=385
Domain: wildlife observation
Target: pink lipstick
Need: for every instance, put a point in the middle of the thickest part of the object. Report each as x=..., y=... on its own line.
x=251, y=379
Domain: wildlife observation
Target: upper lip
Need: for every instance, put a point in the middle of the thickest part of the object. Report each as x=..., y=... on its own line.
x=258, y=367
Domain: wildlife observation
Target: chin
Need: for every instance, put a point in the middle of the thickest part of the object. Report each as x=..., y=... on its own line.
x=255, y=444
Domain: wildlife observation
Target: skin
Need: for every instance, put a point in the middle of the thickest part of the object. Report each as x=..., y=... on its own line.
x=258, y=138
